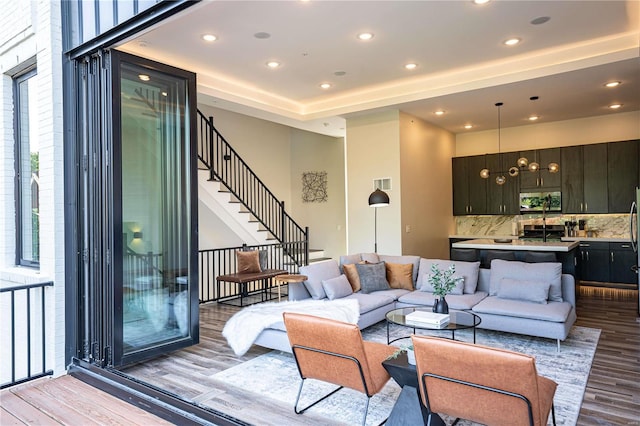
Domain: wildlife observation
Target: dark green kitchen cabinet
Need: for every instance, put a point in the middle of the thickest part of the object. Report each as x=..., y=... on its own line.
x=543, y=179
x=469, y=189
x=622, y=259
x=622, y=175
x=594, y=261
x=584, y=178
x=502, y=199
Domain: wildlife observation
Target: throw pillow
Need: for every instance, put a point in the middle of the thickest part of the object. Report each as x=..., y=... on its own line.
x=425, y=285
x=468, y=270
x=414, y=260
x=528, y=291
x=348, y=259
x=400, y=275
x=337, y=287
x=541, y=272
x=373, y=277
x=248, y=261
x=352, y=275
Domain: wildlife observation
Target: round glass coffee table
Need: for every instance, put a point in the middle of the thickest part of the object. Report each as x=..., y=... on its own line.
x=458, y=320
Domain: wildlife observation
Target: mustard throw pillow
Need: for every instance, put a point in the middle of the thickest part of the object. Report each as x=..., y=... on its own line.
x=400, y=275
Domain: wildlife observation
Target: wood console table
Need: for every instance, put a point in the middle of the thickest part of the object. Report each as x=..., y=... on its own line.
x=241, y=280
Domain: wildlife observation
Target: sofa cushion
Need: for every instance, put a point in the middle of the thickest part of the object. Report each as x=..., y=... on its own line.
x=336, y=288
x=400, y=275
x=349, y=269
x=248, y=261
x=394, y=293
x=543, y=272
x=425, y=284
x=552, y=311
x=369, y=302
x=349, y=259
x=414, y=260
x=373, y=276
x=527, y=291
x=468, y=270
x=316, y=272
x=462, y=302
x=370, y=257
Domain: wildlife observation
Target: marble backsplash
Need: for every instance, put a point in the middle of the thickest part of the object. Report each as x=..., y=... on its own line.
x=603, y=225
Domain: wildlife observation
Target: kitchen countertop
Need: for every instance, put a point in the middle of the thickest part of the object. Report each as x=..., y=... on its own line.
x=490, y=244
x=473, y=237
x=597, y=239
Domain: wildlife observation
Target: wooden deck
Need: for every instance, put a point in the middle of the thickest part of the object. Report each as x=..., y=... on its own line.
x=612, y=396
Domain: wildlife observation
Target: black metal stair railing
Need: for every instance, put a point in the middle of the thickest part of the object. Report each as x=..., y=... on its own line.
x=225, y=165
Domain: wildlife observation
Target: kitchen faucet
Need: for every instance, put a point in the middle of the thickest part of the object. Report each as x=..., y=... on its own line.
x=545, y=205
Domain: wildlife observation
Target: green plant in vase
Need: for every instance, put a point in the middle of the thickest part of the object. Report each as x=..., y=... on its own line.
x=442, y=281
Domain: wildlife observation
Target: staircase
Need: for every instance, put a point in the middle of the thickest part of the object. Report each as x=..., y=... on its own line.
x=229, y=187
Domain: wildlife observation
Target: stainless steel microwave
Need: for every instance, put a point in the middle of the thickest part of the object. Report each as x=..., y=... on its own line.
x=535, y=201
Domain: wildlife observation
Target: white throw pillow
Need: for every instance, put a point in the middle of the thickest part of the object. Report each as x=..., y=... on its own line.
x=541, y=272
x=337, y=288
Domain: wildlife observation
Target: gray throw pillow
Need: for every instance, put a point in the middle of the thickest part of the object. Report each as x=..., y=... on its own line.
x=543, y=272
x=373, y=277
x=426, y=286
x=337, y=287
x=468, y=270
x=528, y=291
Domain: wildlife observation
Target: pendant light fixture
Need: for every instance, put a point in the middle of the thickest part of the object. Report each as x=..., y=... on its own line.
x=534, y=166
x=485, y=173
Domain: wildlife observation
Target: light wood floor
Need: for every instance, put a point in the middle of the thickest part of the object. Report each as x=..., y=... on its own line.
x=612, y=396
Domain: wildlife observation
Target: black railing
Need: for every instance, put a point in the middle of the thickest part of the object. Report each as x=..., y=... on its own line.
x=222, y=261
x=225, y=165
x=137, y=265
x=24, y=310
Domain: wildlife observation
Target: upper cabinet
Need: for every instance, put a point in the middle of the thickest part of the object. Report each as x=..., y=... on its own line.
x=469, y=189
x=541, y=179
x=584, y=178
x=502, y=199
x=622, y=174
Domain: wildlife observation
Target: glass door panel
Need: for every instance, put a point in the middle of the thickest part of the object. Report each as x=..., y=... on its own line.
x=157, y=306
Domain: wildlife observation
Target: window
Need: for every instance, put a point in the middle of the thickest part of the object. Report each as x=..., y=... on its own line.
x=27, y=165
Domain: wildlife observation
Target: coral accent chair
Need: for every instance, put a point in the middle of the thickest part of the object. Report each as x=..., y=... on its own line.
x=487, y=385
x=334, y=352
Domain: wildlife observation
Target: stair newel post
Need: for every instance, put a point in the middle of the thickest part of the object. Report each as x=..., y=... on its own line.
x=306, y=245
x=211, y=147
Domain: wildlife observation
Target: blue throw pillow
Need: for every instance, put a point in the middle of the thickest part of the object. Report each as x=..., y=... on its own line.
x=373, y=277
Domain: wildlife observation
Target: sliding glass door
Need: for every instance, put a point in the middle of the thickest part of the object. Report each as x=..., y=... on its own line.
x=155, y=253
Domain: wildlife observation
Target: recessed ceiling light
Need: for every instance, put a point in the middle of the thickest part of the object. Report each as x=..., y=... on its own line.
x=209, y=37
x=468, y=126
x=512, y=41
x=439, y=112
x=615, y=106
x=481, y=1
x=613, y=84
x=534, y=117
x=340, y=73
x=365, y=36
x=144, y=77
x=262, y=35
x=273, y=64
x=325, y=86
x=411, y=66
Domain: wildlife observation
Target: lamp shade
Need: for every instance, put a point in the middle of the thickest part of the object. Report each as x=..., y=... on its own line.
x=378, y=198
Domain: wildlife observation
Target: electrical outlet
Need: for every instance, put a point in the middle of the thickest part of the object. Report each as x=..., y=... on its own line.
x=408, y=228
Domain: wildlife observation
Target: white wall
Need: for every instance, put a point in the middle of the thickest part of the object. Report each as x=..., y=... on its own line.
x=427, y=216
x=373, y=151
x=605, y=128
x=312, y=152
x=31, y=29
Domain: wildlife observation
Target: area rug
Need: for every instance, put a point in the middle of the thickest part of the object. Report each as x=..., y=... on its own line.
x=277, y=370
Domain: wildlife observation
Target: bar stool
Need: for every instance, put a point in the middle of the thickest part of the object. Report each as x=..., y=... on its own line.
x=465, y=255
x=498, y=254
x=539, y=256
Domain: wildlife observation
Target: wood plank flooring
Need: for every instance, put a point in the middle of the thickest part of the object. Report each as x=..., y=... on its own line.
x=612, y=396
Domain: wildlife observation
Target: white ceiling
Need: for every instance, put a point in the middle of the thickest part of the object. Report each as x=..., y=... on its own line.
x=463, y=67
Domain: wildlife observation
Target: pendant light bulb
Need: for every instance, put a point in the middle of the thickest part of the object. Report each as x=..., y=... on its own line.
x=514, y=171
x=554, y=167
x=534, y=167
x=523, y=162
x=500, y=180
x=484, y=173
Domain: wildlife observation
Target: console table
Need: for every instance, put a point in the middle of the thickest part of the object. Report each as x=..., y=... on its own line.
x=240, y=281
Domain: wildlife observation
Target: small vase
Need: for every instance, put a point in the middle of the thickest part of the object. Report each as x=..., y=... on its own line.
x=440, y=306
x=411, y=357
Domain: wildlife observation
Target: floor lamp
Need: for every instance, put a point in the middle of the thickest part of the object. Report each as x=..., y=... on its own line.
x=377, y=199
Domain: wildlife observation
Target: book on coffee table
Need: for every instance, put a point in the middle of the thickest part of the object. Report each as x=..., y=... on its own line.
x=427, y=318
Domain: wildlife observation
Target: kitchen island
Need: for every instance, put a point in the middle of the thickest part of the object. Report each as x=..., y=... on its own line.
x=566, y=252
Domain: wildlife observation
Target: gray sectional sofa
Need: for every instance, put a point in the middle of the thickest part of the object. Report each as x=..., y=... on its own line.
x=525, y=298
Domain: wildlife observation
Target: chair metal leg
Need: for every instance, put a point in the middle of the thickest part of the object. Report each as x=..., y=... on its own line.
x=553, y=414
x=295, y=407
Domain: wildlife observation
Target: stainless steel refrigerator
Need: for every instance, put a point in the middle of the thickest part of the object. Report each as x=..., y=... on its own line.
x=633, y=231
